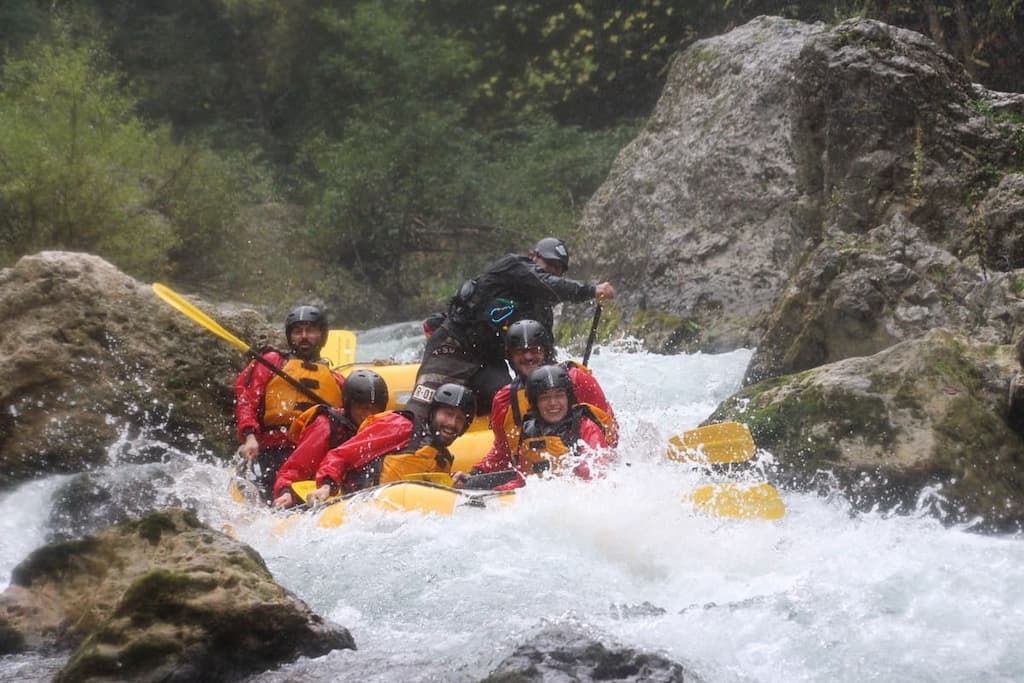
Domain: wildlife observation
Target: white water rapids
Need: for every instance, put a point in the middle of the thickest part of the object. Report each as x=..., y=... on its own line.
x=822, y=595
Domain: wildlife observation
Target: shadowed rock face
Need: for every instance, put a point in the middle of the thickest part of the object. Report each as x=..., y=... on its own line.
x=778, y=149
x=564, y=653
x=93, y=358
x=160, y=598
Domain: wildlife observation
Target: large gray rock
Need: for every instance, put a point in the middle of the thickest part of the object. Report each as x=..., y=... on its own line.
x=702, y=215
x=928, y=414
x=858, y=294
x=91, y=355
x=160, y=598
x=780, y=142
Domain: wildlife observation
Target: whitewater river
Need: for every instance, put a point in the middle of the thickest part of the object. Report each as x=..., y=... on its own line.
x=822, y=595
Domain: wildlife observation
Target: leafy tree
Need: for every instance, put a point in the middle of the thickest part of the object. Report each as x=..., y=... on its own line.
x=587, y=62
x=72, y=160
x=80, y=170
x=411, y=188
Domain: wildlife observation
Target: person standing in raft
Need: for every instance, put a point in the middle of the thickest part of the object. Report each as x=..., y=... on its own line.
x=393, y=444
x=266, y=404
x=468, y=346
x=529, y=346
x=560, y=434
x=320, y=429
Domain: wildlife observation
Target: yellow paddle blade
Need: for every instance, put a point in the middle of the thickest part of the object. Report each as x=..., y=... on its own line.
x=442, y=478
x=178, y=302
x=725, y=442
x=303, y=488
x=340, y=348
x=743, y=501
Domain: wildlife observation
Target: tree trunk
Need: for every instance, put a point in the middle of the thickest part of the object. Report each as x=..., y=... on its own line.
x=935, y=24
x=964, y=37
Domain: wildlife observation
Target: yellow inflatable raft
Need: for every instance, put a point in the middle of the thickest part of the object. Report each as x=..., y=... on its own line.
x=419, y=496
x=401, y=379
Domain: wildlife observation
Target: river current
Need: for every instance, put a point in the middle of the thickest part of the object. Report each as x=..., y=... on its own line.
x=824, y=594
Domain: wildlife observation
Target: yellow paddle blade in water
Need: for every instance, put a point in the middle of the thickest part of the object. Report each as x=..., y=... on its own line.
x=743, y=501
x=725, y=442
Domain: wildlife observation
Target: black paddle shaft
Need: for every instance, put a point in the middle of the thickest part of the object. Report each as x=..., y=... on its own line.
x=593, y=334
x=489, y=480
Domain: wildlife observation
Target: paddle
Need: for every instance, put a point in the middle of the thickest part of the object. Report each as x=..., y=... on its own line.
x=488, y=480
x=743, y=501
x=726, y=443
x=303, y=488
x=593, y=335
x=179, y=303
x=722, y=443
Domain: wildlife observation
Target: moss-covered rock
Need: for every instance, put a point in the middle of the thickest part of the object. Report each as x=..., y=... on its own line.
x=922, y=414
x=162, y=597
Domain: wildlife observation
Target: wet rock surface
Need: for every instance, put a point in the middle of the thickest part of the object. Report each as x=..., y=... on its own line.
x=163, y=597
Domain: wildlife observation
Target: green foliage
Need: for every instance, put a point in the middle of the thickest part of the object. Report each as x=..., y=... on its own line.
x=413, y=141
x=80, y=170
x=410, y=189
x=433, y=194
x=74, y=161
x=591, y=63
x=541, y=174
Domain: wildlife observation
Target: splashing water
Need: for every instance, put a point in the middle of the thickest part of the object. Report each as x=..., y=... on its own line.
x=822, y=595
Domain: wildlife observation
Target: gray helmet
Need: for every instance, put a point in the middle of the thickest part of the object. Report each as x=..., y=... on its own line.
x=364, y=386
x=525, y=334
x=549, y=377
x=457, y=396
x=305, y=314
x=553, y=249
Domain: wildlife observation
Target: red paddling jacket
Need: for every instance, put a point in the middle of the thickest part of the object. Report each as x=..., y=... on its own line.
x=329, y=428
x=388, y=446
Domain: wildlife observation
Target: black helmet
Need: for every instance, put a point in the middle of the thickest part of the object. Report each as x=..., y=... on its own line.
x=365, y=386
x=549, y=377
x=525, y=334
x=457, y=396
x=305, y=314
x=553, y=249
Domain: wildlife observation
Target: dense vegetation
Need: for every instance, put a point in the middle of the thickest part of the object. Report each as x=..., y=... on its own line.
x=367, y=153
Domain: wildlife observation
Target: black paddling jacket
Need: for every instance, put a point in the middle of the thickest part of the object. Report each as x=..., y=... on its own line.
x=513, y=288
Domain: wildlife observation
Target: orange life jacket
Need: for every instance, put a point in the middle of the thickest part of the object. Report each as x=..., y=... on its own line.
x=538, y=453
x=517, y=407
x=282, y=402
